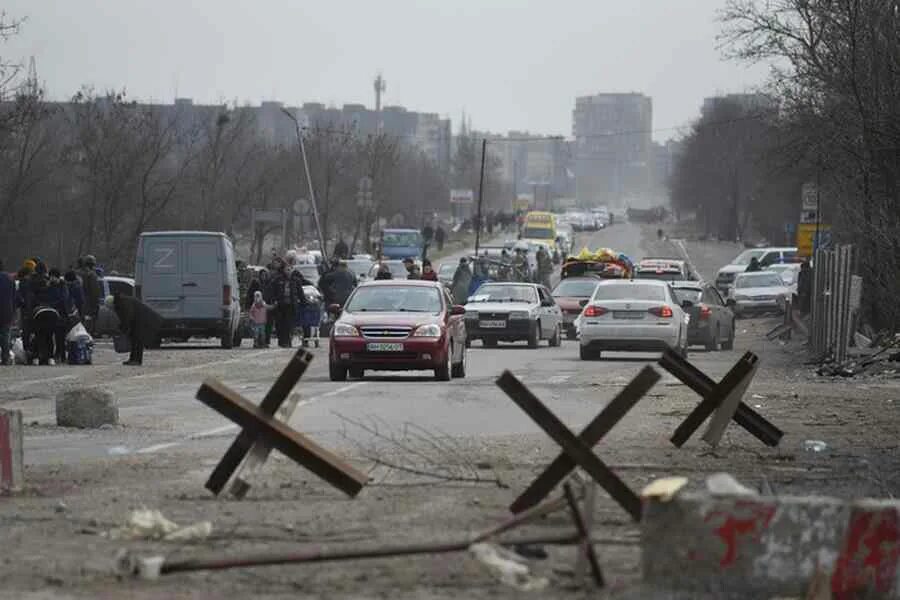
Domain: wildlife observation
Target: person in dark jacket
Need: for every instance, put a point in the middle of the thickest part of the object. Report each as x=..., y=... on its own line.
x=804, y=287
x=7, y=313
x=428, y=273
x=44, y=317
x=282, y=297
x=439, y=236
x=90, y=283
x=60, y=302
x=297, y=283
x=462, y=279
x=337, y=285
x=754, y=266
x=76, y=292
x=384, y=272
x=341, y=250
x=23, y=293
x=137, y=321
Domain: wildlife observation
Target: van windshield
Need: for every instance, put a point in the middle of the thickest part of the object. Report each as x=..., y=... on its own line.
x=401, y=238
x=538, y=233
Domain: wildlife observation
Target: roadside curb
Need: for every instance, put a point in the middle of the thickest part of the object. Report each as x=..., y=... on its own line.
x=748, y=546
x=11, y=452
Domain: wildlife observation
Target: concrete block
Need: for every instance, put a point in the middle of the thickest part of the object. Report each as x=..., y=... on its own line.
x=86, y=408
x=12, y=472
x=753, y=547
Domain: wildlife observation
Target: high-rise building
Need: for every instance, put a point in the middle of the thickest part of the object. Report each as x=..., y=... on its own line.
x=613, y=148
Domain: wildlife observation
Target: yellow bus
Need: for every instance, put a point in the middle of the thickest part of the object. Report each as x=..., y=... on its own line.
x=540, y=226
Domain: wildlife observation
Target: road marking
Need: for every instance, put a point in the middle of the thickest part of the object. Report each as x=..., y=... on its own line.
x=231, y=428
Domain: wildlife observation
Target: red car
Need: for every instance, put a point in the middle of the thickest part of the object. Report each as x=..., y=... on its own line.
x=398, y=325
x=572, y=294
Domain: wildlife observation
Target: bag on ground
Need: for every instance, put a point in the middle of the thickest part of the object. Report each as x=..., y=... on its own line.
x=121, y=344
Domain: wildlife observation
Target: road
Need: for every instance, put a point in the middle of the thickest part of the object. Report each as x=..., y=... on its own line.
x=160, y=415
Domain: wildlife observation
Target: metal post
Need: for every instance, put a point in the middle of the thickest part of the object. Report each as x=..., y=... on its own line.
x=480, y=196
x=312, y=193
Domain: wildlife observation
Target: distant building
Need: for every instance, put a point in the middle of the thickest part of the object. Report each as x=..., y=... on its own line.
x=613, y=148
x=664, y=157
x=747, y=102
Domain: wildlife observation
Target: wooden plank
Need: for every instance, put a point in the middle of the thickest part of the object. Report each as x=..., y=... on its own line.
x=725, y=413
x=273, y=399
x=602, y=424
x=259, y=453
x=579, y=451
x=279, y=436
x=710, y=402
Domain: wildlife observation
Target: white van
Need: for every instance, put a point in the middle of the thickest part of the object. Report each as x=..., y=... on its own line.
x=190, y=279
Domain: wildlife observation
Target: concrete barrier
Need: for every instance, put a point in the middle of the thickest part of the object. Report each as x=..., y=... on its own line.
x=754, y=546
x=86, y=408
x=12, y=472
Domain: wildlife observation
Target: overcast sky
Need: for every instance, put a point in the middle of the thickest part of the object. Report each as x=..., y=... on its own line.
x=510, y=64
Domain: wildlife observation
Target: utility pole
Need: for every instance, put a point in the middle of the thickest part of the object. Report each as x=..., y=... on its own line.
x=312, y=193
x=480, y=196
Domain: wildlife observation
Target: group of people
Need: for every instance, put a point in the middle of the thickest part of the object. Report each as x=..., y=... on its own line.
x=46, y=303
x=515, y=267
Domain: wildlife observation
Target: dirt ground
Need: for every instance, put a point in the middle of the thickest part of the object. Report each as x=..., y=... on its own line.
x=54, y=533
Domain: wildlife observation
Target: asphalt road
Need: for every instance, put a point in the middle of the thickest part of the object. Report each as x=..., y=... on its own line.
x=159, y=414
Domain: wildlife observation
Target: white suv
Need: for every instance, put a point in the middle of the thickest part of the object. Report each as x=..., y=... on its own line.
x=765, y=256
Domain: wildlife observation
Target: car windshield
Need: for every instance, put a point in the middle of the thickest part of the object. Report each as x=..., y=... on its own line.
x=504, y=293
x=401, y=238
x=538, y=233
x=359, y=267
x=574, y=289
x=788, y=274
x=690, y=294
x=759, y=280
x=746, y=256
x=395, y=298
x=629, y=291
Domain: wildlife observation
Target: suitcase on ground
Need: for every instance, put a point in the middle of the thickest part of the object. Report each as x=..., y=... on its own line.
x=121, y=344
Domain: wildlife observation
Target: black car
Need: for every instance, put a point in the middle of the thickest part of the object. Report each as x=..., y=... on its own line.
x=711, y=319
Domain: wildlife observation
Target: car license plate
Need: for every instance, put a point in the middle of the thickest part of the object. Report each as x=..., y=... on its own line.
x=627, y=314
x=384, y=347
x=492, y=324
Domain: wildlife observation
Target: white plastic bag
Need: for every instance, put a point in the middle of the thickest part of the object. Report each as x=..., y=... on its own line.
x=18, y=350
x=78, y=332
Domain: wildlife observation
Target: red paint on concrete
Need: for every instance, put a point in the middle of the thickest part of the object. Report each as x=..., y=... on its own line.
x=748, y=519
x=6, y=474
x=870, y=554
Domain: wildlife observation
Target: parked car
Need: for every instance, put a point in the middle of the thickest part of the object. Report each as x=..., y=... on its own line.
x=632, y=315
x=766, y=256
x=512, y=312
x=759, y=292
x=190, y=279
x=398, y=325
x=107, y=322
x=789, y=273
x=446, y=271
x=711, y=321
x=572, y=294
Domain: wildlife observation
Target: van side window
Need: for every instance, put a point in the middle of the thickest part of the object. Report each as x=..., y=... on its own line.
x=203, y=258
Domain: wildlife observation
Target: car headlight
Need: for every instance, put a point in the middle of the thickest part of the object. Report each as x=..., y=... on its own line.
x=432, y=330
x=741, y=298
x=345, y=330
x=518, y=314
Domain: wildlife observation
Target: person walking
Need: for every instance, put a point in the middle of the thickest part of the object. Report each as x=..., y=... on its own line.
x=76, y=292
x=90, y=282
x=804, y=287
x=341, y=250
x=59, y=300
x=439, y=237
x=544, y=267
x=282, y=297
x=462, y=279
x=259, y=316
x=7, y=313
x=138, y=322
x=337, y=284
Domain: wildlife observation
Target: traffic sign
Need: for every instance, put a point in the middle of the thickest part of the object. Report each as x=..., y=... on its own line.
x=462, y=196
x=810, y=196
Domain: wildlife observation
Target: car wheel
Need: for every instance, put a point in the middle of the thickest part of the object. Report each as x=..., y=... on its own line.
x=588, y=353
x=356, y=373
x=534, y=336
x=442, y=373
x=459, y=369
x=489, y=343
x=729, y=343
x=712, y=344
x=337, y=372
x=556, y=340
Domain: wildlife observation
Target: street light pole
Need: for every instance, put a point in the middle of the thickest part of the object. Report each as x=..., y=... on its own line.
x=312, y=194
x=480, y=196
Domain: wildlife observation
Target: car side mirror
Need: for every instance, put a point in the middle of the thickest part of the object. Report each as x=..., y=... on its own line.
x=730, y=303
x=334, y=309
x=457, y=309
x=583, y=303
x=687, y=304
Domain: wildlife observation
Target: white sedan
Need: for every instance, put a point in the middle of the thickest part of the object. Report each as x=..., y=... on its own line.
x=511, y=312
x=632, y=315
x=758, y=292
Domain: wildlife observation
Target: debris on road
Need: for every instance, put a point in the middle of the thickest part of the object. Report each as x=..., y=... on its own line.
x=723, y=484
x=815, y=446
x=664, y=489
x=147, y=524
x=86, y=408
x=507, y=567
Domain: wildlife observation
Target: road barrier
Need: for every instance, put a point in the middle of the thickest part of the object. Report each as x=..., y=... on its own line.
x=760, y=547
x=835, y=298
x=12, y=471
x=262, y=431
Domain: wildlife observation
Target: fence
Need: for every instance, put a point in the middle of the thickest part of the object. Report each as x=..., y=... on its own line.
x=835, y=299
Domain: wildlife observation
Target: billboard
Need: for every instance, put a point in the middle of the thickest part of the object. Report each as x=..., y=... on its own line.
x=462, y=196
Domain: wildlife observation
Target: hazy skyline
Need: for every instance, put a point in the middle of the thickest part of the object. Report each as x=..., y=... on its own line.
x=507, y=64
